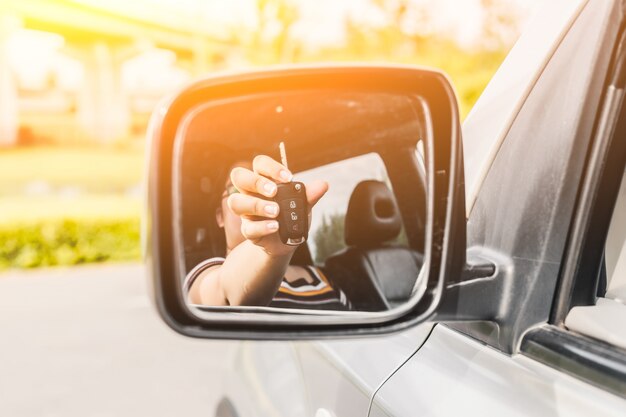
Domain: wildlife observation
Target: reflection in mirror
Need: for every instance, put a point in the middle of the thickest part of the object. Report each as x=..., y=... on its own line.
x=365, y=243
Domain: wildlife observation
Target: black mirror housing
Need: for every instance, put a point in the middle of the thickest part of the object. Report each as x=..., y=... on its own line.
x=445, y=242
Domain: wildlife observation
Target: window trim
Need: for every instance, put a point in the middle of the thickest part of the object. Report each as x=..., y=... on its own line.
x=582, y=357
x=596, y=198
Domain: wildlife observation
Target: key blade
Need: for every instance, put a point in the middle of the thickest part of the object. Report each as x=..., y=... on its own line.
x=283, y=154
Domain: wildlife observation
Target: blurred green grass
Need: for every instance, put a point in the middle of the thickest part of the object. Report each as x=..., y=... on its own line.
x=94, y=168
x=51, y=231
x=26, y=210
x=68, y=206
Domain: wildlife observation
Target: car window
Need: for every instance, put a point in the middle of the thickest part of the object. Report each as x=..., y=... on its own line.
x=604, y=320
x=327, y=224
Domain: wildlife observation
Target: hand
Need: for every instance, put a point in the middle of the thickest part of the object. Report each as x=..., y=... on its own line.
x=258, y=215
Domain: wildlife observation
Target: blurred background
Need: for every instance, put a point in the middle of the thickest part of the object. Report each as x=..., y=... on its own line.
x=79, y=79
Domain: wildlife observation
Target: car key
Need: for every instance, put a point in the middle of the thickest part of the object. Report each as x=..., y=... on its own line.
x=293, y=219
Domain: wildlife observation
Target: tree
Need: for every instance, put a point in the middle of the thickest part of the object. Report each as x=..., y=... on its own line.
x=501, y=23
x=271, y=40
x=329, y=237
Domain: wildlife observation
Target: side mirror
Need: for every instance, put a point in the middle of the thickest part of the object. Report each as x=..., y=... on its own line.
x=386, y=238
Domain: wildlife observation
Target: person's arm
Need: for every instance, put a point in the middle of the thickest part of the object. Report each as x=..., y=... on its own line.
x=253, y=270
x=249, y=276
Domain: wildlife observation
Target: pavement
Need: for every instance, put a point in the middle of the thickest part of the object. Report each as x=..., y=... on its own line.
x=86, y=341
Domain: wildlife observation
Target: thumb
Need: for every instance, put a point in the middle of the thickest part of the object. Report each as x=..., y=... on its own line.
x=314, y=191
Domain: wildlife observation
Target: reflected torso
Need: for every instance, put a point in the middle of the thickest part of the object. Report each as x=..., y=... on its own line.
x=305, y=287
x=308, y=287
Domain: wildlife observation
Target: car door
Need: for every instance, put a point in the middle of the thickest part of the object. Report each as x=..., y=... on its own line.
x=524, y=204
x=312, y=378
x=341, y=377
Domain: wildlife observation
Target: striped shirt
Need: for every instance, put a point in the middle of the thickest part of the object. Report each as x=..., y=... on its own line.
x=313, y=291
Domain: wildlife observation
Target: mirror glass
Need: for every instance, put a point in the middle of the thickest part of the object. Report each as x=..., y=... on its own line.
x=366, y=236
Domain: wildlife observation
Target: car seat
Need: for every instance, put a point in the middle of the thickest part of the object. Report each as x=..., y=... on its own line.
x=374, y=273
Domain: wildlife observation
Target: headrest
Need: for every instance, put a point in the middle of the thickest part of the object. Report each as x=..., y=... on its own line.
x=373, y=216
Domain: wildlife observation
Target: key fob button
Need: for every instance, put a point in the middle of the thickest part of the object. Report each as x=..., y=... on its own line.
x=292, y=204
x=292, y=217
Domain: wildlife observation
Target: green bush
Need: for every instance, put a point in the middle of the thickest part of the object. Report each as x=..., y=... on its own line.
x=68, y=242
x=329, y=238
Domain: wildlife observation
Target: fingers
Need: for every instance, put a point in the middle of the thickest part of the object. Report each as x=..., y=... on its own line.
x=263, y=177
x=247, y=181
x=266, y=166
x=254, y=230
x=258, y=215
x=315, y=190
x=250, y=206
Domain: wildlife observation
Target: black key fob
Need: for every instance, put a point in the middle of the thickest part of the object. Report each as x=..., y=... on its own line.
x=293, y=219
